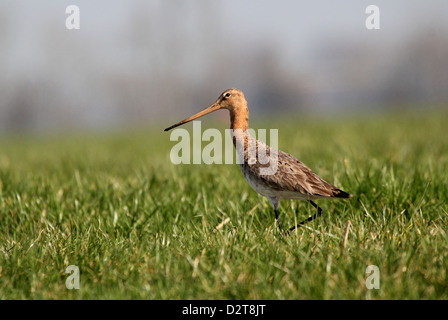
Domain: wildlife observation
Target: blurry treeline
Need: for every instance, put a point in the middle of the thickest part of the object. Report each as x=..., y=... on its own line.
x=172, y=57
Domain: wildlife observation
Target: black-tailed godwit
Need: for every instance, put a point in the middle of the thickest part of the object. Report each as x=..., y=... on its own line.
x=291, y=179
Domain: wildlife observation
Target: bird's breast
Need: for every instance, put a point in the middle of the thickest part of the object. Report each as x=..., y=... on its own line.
x=256, y=182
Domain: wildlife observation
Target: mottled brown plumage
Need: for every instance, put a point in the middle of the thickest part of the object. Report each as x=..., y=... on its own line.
x=272, y=173
x=292, y=176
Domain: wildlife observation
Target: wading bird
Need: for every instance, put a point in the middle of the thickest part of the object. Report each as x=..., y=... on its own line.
x=290, y=178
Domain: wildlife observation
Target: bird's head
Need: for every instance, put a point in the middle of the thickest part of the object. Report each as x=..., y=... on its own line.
x=231, y=99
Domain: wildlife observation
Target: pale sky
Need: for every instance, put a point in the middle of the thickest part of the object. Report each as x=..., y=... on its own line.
x=205, y=44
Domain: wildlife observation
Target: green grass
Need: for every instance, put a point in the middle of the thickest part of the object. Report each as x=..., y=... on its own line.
x=139, y=227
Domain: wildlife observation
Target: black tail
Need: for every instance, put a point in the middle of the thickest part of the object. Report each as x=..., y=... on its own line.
x=338, y=193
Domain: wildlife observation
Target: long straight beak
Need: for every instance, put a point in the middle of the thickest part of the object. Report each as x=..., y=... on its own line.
x=208, y=110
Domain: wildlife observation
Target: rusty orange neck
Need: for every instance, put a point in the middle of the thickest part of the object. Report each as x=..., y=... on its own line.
x=239, y=119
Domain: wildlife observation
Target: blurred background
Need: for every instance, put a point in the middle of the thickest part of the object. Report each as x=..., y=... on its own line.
x=153, y=62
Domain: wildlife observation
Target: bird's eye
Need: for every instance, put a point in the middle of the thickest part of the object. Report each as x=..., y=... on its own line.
x=227, y=95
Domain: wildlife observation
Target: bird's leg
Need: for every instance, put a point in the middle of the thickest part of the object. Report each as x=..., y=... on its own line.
x=275, y=203
x=277, y=217
x=318, y=214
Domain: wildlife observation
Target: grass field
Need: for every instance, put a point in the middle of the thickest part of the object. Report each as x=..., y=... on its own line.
x=139, y=227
